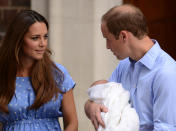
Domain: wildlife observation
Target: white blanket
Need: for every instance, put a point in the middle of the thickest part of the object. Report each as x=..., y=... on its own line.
x=120, y=116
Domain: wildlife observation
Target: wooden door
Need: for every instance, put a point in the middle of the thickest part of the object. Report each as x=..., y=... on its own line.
x=161, y=18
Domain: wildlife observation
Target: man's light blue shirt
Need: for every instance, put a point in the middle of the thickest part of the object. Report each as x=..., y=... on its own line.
x=151, y=82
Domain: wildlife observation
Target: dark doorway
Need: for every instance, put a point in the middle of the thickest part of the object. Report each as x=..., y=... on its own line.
x=161, y=17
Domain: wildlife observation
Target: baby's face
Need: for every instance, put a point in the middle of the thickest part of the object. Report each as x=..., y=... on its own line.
x=99, y=82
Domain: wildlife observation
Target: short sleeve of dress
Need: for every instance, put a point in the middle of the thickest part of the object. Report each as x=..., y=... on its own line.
x=68, y=82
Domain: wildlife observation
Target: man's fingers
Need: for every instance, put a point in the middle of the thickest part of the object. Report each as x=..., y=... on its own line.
x=100, y=121
x=95, y=124
x=98, y=115
x=103, y=109
x=94, y=113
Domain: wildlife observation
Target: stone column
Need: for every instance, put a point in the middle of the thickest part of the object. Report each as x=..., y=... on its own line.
x=56, y=29
x=40, y=6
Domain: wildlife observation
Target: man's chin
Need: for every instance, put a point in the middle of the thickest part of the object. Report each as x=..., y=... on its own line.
x=119, y=58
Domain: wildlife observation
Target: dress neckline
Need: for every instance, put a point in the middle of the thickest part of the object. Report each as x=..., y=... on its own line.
x=22, y=77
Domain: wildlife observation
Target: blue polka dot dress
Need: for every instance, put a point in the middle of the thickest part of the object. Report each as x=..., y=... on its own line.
x=43, y=119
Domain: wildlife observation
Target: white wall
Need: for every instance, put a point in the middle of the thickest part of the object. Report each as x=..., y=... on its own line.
x=77, y=43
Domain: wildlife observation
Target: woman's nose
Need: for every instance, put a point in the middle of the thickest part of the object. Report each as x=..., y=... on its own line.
x=42, y=42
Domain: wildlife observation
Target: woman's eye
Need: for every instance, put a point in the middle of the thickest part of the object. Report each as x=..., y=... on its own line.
x=34, y=38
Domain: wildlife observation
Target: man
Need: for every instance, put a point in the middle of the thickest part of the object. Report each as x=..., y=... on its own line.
x=145, y=70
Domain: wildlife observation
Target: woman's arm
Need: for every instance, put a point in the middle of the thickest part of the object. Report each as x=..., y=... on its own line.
x=69, y=112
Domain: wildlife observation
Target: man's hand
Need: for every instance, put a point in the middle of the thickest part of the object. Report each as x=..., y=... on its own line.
x=93, y=111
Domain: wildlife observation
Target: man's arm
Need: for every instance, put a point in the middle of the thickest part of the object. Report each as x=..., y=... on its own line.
x=164, y=105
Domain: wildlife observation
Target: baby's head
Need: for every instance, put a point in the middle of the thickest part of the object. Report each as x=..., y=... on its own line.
x=99, y=82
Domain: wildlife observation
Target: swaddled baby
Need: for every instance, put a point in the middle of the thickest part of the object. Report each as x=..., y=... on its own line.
x=120, y=116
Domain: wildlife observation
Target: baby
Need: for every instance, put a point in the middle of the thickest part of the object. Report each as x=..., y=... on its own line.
x=120, y=115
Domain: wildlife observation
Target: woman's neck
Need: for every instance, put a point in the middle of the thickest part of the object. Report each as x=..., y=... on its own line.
x=25, y=69
x=23, y=73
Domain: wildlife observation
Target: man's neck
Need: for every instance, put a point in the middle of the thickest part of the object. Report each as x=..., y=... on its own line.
x=139, y=47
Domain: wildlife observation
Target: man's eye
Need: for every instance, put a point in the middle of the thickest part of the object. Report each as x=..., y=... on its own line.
x=46, y=36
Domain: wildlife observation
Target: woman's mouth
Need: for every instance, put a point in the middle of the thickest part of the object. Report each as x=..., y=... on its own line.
x=40, y=51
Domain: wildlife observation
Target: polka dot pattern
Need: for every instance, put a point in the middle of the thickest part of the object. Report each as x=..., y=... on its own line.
x=43, y=119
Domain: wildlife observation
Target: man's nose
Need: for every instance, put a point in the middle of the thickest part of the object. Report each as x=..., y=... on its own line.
x=107, y=45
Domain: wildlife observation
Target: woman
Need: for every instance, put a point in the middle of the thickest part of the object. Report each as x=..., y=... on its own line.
x=34, y=91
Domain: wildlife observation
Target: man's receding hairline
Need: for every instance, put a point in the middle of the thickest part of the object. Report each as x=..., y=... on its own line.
x=123, y=9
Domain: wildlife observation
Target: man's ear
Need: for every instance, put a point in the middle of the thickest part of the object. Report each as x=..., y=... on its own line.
x=123, y=35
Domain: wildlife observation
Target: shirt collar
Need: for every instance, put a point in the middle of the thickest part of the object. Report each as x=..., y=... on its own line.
x=150, y=57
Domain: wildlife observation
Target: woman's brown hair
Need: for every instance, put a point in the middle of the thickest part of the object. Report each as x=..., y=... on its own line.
x=44, y=72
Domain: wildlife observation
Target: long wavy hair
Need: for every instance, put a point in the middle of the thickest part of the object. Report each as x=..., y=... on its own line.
x=44, y=72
